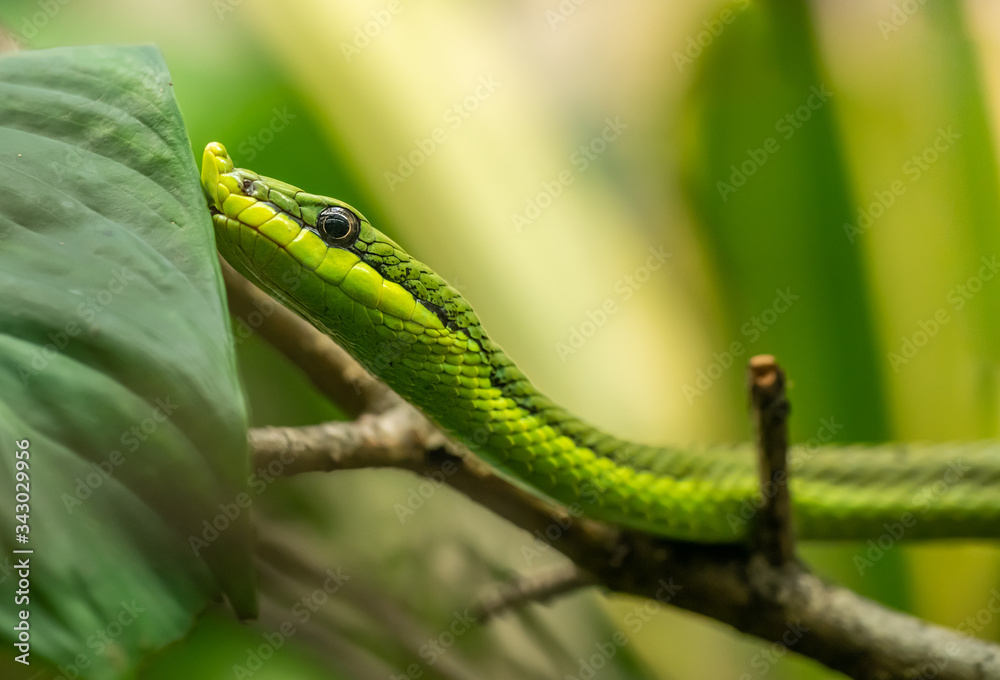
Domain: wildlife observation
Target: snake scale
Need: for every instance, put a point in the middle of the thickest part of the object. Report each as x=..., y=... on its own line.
x=407, y=326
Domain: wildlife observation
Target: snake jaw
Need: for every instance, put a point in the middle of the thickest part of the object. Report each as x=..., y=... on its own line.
x=215, y=163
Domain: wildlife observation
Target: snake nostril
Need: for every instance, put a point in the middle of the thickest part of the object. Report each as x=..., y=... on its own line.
x=247, y=186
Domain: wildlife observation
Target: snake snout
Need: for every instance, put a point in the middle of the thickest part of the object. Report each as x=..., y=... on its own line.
x=215, y=162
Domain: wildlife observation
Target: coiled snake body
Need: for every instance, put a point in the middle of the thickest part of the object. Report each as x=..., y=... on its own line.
x=406, y=325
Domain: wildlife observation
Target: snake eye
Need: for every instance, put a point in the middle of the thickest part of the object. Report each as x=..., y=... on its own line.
x=247, y=187
x=338, y=226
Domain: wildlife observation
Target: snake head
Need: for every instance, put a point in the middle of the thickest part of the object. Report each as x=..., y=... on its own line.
x=319, y=255
x=253, y=199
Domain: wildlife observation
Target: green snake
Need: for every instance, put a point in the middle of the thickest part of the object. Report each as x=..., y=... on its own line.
x=407, y=326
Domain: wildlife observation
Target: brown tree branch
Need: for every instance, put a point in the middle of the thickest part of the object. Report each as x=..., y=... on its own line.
x=402, y=438
x=732, y=584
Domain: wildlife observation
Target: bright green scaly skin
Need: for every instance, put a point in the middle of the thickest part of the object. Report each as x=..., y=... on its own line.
x=415, y=332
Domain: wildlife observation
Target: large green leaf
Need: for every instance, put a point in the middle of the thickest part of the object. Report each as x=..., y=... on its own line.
x=116, y=363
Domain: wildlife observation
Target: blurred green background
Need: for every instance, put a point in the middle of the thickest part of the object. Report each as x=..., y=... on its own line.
x=820, y=182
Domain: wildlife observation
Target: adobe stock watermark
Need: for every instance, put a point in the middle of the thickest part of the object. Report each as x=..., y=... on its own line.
x=957, y=298
x=590, y=667
x=625, y=288
x=786, y=127
x=74, y=163
x=696, y=44
x=388, y=352
x=435, y=648
x=244, y=328
x=256, y=142
x=932, y=668
x=102, y=639
x=417, y=496
x=264, y=307
x=562, y=12
x=87, y=314
x=580, y=161
x=977, y=623
x=753, y=330
x=797, y=456
x=542, y=539
x=901, y=13
x=972, y=626
x=31, y=24
x=131, y=440
x=912, y=170
x=258, y=481
x=764, y=660
x=923, y=500
x=461, y=623
x=452, y=119
x=365, y=33
x=302, y=611
x=225, y=7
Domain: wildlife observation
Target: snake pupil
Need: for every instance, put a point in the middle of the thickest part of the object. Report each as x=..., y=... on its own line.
x=337, y=226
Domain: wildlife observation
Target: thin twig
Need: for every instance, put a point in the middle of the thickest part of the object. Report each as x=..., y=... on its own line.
x=534, y=588
x=773, y=526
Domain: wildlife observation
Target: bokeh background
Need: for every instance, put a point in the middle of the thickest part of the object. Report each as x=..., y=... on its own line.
x=635, y=197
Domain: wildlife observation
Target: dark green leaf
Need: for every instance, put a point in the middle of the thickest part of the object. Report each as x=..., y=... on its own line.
x=116, y=362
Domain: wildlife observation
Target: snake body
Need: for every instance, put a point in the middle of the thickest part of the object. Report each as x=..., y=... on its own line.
x=407, y=326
